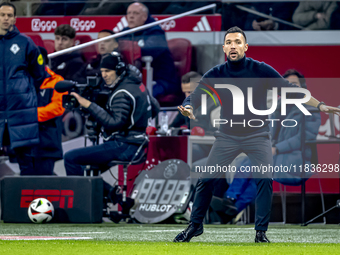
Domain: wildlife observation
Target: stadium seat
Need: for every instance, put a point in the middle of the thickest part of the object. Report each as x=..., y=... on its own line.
x=130, y=51
x=283, y=193
x=36, y=39
x=181, y=49
x=87, y=52
x=49, y=46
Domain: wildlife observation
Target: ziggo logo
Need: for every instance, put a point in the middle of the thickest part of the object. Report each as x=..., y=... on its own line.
x=82, y=25
x=167, y=25
x=41, y=25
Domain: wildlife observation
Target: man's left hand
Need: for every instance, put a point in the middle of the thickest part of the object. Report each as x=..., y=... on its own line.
x=83, y=101
x=330, y=109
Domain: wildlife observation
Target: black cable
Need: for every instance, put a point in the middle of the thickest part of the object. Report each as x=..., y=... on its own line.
x=137, y=152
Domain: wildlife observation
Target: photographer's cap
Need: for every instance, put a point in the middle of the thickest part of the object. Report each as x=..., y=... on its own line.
x=110, y=61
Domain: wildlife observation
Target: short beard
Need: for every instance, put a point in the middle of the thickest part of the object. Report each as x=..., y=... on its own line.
x=234, y=60
x=237, y=59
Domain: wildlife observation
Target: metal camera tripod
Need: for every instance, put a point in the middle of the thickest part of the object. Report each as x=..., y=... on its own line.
x=322, y=214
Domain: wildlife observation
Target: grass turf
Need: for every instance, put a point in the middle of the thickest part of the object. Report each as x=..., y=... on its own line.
x=157, y=239
x=113, y=247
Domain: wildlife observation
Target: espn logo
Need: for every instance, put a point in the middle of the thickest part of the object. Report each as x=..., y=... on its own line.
x=65, y=197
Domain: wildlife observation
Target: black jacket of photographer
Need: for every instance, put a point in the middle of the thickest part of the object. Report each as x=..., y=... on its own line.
x=128, y=109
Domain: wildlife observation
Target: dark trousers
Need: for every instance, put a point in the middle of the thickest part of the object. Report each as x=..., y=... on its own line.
x=30, y=165
x=99, y=155
x=225, y=149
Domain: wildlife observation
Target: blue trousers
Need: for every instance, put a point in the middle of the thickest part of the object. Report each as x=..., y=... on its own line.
x=243, y=188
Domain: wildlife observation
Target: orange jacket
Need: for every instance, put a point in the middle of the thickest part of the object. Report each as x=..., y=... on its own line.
x=50, y=103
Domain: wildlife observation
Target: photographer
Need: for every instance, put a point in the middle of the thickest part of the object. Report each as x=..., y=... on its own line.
x=123, y=121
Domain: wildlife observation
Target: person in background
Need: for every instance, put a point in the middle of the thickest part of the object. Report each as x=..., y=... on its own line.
x=153, y=43
x=314, y=15
x=189, y=83
x=43, y=156
x=103, y=47
x=70, y=66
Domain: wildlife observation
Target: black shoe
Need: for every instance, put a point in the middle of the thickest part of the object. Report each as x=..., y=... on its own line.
x=225, y=205
x=127, y=205
x=115, y=195
x=261, y=237
x=191, y=231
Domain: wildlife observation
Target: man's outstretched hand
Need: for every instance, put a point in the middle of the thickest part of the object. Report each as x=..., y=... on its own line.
x=330, y=109
x=187, y=112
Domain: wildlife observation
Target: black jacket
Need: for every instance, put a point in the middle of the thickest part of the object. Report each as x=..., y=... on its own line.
x=93, y=67
x=70, y=66
x=128, y=108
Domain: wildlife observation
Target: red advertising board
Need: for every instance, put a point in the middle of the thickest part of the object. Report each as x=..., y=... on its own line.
x=93, y=24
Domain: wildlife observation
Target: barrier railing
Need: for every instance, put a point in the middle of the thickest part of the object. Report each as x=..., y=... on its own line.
x=130, y=31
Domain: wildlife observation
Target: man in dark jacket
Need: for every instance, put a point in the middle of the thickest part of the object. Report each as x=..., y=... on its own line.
x=124, y=119
x=153, y=43
x=43, y=156
x=238, y=133
x=286, y=149
x=70, y=66
x=21, y=73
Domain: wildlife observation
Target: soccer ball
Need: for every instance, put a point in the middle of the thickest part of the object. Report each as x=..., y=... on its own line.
x=40, y=210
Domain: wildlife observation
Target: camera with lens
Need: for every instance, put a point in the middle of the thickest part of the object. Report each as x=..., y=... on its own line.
x=92, y=91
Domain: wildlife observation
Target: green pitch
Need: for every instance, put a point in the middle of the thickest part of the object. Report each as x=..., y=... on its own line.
x=109, y=238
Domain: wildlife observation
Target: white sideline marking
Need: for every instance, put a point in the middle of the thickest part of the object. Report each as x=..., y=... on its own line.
x=4, y=237
x=80, y=233
x=169, y=230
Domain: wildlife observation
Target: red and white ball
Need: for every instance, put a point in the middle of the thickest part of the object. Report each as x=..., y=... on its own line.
x=40, y=210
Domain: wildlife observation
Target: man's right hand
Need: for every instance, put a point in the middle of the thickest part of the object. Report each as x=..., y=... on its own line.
x=186, y=112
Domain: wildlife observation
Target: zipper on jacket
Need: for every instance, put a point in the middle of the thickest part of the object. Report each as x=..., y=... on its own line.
x=4, y=76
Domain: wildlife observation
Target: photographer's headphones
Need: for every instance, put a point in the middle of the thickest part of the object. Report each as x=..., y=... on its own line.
x=120, y=67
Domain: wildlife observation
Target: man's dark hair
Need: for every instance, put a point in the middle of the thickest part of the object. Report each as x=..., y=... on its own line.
x=298, y=74
x=107, y=31
x=65, y=30
x=191, y=75
x=11, y=5
x=235, y=30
